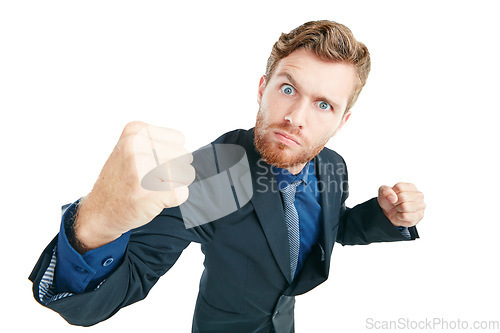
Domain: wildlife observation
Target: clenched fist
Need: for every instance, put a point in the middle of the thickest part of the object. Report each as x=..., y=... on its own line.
x=403, y=204
x=148, y=170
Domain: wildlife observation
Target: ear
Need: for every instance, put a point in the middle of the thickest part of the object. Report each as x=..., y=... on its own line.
x=344, y=119
x=346, y=116
x=342, y=122
x=262, y=86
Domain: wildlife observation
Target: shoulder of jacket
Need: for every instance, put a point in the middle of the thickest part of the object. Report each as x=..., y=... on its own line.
x=331, y=155
x=236, y=136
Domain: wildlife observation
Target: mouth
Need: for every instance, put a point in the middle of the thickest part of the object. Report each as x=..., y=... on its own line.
x=286, y=139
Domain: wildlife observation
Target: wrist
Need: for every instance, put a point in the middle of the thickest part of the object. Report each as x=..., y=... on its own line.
x=90, y=228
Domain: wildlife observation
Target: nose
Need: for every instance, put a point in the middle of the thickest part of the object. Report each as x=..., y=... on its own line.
x=297, y=114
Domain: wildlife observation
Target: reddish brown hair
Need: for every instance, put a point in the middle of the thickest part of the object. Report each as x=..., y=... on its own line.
x=330, y=41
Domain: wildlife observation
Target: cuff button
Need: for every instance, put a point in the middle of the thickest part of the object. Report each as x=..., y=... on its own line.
x=107, y=262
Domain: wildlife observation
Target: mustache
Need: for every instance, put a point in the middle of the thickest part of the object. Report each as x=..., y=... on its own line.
x=295, y=131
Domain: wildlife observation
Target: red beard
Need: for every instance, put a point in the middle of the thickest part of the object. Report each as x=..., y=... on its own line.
x=278, y=154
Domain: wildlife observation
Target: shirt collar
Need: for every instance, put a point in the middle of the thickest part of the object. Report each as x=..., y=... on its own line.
x=284, y=177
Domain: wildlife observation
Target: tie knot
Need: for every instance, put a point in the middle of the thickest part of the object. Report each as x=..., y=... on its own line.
x=289, y=192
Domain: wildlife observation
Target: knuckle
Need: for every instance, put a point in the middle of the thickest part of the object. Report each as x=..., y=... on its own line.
x=397, y=187
x=404, y=207
x=383, y=188
x=132, y=126
x=401, y=186
x=403, y=197
x=405, y=224
x=405, y=216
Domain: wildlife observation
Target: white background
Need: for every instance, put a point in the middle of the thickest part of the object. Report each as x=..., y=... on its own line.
x=73, y=73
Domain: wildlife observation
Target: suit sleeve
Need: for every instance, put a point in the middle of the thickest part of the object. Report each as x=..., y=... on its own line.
x=366, y=223
x=151, y=251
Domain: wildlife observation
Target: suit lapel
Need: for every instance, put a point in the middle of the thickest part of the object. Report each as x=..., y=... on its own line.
x=266, y=201
x=326, y=178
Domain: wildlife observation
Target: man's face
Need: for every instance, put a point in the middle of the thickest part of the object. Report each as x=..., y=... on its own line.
x=301, y=107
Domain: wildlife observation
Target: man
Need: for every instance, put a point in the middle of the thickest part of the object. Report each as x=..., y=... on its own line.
x=115, y=243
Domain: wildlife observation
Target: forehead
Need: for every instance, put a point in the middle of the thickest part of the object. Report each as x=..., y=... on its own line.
x=335, y=80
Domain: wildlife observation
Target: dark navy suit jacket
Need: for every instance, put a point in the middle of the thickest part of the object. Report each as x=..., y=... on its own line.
x=245, y=286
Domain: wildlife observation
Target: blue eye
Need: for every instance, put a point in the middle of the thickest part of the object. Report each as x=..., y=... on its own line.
x=288, y=89
x=323, y=105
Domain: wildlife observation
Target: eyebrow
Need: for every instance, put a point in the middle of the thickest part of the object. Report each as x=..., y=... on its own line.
x=289, y=77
